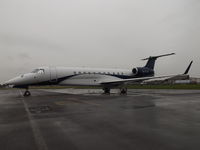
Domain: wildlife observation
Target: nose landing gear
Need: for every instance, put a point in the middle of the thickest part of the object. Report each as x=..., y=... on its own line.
x=27, y=93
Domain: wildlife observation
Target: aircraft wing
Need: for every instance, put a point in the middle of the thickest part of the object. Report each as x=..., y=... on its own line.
x=139, y=80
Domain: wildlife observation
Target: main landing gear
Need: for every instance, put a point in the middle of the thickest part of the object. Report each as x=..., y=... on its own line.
x=27, y=93
x=123, y=91
x=106, y=90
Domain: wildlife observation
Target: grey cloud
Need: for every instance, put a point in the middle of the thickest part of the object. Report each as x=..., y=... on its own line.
x=24, y=56
x=19, y=40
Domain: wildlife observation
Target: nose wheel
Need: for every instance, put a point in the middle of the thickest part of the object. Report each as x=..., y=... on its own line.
x=27, y=93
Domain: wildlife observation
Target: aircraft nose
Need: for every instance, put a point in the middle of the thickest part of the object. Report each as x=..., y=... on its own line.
x=20, y=80
x=13, y=81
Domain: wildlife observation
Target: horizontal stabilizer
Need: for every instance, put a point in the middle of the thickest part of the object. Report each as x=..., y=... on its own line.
x=151, y=60
x=155, y=57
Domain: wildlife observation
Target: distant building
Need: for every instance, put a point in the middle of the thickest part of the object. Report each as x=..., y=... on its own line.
x=195, y=80
x=191, y=80
x=182, y=82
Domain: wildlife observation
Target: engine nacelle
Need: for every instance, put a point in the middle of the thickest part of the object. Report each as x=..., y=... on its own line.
x=142, y=71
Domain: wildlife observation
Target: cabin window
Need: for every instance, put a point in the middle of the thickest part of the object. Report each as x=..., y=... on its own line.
x=79, y=72
x=74, y=72
x=35, y=71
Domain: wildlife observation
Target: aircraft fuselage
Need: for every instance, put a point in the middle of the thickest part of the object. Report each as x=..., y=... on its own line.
x=69, y=76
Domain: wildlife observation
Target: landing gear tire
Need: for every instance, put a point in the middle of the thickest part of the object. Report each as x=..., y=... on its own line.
x=106, y=90
x=27, y=93
x=123, y=91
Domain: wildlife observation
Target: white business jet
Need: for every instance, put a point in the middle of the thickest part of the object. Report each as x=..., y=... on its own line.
x=105, y=78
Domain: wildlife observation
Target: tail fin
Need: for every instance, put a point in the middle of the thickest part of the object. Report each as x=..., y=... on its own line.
x=188, y=68
x=151, y=60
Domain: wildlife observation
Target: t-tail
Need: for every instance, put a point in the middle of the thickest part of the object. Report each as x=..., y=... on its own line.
x=148, y=69
x=152, y=59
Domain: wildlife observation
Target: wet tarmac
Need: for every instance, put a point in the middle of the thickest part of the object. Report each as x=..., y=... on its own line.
x=88, y=120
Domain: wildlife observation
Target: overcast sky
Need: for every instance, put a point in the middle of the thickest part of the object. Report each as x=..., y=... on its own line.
x=98, y=33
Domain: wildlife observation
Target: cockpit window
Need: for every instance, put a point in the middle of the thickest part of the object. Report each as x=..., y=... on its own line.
x=38, y=71
x=35, y=71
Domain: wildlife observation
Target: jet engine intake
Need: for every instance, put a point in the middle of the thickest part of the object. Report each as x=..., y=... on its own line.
x=142, y=71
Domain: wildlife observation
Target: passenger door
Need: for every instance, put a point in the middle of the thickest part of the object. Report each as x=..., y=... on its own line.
x=53, y=74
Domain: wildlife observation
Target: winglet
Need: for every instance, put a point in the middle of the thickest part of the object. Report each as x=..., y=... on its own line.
x=188, y=68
